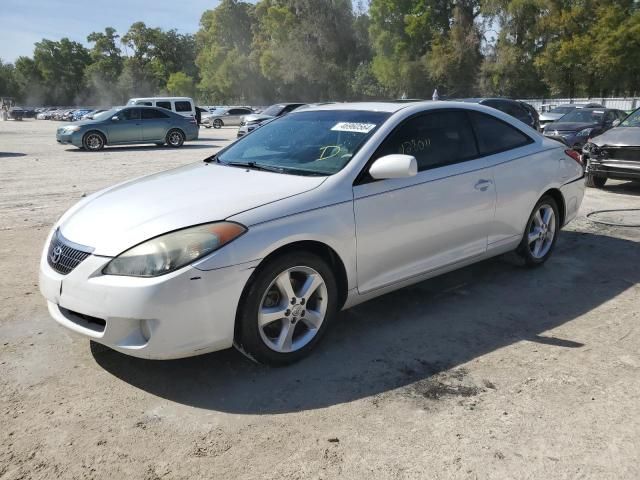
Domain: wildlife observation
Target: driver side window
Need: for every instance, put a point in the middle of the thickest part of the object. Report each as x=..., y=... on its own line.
x=435, y=139
x=130, y=114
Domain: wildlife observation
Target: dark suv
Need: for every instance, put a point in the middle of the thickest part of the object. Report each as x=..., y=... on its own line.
x=520, y=110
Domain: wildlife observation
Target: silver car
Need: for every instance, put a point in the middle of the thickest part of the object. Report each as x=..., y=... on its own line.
x=262, y=244
x=225, y=117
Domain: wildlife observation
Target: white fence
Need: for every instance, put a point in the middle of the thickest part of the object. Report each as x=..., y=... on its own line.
x=626, y=103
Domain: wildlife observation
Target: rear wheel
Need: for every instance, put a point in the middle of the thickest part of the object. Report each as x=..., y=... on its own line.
x=286, y=309
x=541, y=233
x=93, y=141
x=175, y=138
x=594, y=181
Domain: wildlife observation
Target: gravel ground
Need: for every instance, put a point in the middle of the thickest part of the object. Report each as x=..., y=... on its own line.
x=491, y=372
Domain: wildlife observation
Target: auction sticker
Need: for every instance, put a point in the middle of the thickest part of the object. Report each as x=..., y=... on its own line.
x=353, y=127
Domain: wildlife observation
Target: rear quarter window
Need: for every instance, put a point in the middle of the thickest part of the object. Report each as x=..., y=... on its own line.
x=183, y=106
x=495, y=136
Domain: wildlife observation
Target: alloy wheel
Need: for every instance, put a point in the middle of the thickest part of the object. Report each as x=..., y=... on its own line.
x=292, y=309
x=175, y=138
x=94, y=141
x=542, y=231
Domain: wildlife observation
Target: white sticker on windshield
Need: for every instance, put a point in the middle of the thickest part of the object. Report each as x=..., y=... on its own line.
x=353, y=127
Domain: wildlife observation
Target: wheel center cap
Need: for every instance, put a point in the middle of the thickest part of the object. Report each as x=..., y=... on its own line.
x=296, y=311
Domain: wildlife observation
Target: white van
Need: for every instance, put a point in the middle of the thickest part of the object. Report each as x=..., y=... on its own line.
x=184, y=106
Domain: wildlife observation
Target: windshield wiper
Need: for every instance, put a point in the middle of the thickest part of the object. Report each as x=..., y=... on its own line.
x=255, y=166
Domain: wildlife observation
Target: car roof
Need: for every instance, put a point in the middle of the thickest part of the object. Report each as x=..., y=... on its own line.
x=390, y=107
x=483, y=99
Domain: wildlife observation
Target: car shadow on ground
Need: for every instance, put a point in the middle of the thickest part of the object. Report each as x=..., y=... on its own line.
x=406, y=337
x=628, y=188
x=143, y=148
x=11, y=154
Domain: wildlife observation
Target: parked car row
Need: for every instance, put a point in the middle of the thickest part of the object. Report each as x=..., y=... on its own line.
x=68, y=114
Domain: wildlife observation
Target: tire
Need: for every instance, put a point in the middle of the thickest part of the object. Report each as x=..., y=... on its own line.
x=540, y=235
x=207, y=126
x=217, y=123
x=175, y=138
x=594, y=181
x=93, y=141
x=270, y=327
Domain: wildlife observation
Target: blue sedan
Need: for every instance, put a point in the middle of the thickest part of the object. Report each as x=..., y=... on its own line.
x=128, y=126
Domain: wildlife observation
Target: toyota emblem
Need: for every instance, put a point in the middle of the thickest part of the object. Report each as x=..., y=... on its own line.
x=56, y=254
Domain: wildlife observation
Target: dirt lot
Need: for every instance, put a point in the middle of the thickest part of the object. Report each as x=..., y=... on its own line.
x=491, y=372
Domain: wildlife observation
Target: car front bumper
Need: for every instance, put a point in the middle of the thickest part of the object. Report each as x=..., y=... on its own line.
x=244, y=129
x=614, y=169
x=72, y=138
x=184, y=313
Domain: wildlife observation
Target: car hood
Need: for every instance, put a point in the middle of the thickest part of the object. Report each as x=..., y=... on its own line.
x=619, y=137
x=256, y=117
x=570, y=126
x=550, y=117
x=125, y=215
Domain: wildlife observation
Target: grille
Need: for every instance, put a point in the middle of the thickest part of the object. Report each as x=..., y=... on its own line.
x=64, y=255
x=632, y=154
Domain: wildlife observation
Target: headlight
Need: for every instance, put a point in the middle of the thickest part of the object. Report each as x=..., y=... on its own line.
x=174, y=250
x=73, y=128
x=585, y=133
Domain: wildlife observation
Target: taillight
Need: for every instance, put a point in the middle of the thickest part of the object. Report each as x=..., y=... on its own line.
x=575, y=155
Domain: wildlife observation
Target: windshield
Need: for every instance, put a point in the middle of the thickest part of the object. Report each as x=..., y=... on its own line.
x=218, y=111
x=106, y=114
x=562, y=110
x=632, y=120
x=315, y=143
x=273, y=110
x=583, y=116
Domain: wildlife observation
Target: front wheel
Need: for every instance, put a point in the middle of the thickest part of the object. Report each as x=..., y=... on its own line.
x=286, y=308
x=541, y=233
x=217, y=123
x=93, y=141
x=594, y=181
x=175, y=138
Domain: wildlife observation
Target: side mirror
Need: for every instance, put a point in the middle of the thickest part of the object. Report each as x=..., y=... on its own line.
x=115, y=118
x=615, y=123
x=394, y=166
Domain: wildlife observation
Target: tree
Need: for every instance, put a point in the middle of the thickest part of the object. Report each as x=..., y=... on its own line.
x=180, y=84
x=106, y=67
x=306, y=47
x=61, y=66
x=9, y=85
x=454, y=60
x=227, y=73
x=508, y=68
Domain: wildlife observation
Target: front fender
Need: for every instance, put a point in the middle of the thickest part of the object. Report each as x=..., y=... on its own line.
x=332, y=225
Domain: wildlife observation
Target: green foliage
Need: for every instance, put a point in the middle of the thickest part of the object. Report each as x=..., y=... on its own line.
x=306, y=48
x=181, y=85
x=316, y=50
x=224, y=42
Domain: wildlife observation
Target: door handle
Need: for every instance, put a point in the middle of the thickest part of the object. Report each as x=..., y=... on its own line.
x=482, y=185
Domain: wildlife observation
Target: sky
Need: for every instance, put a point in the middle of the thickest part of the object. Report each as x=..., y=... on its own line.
x=24, y=22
